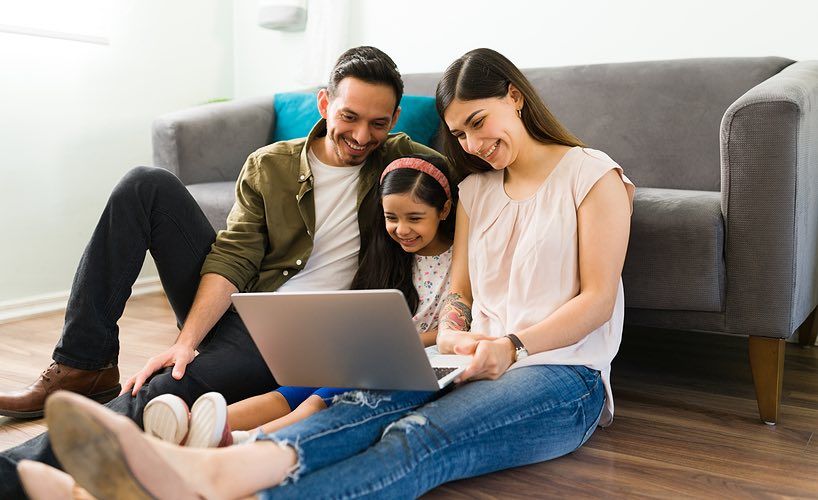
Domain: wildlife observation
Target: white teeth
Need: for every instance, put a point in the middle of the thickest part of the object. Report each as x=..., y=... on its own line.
x=490, y=151
x=356, y=148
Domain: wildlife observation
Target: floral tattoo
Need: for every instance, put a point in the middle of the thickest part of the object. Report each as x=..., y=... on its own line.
x=456, y=314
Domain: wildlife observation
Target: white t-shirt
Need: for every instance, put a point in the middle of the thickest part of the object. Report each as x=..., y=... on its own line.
x=337, y=240
x=431, y=276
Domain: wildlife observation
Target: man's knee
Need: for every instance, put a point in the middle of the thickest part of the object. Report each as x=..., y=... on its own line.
x=140, y=181
x=164, y=383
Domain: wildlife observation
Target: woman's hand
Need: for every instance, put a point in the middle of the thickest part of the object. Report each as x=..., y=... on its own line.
x=449, y=340
x=491, y=358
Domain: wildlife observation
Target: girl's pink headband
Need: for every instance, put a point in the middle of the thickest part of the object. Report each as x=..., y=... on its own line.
x=422, y=165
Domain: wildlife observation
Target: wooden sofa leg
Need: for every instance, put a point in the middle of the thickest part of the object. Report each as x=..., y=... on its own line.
x=767, y=365
x=808, y=331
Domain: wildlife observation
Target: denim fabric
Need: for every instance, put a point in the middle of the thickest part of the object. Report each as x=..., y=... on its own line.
x=403, y=444
x=149, y=210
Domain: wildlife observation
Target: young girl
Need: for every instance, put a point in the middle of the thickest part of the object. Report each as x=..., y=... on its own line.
x=413, y=255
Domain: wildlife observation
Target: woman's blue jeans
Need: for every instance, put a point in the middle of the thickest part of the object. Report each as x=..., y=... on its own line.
x=403, y=444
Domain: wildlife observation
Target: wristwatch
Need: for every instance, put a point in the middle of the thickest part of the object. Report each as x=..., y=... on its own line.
x=520, y=352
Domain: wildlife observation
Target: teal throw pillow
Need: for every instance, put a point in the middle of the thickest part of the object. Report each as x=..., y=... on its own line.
x=297, y=112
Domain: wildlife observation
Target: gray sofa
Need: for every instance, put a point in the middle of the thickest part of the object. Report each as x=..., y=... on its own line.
x=724, y=153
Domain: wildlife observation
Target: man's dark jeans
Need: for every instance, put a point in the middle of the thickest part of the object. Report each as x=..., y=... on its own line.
x=149, y=210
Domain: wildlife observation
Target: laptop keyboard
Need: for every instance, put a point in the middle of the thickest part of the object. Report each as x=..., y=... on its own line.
x=442, y=372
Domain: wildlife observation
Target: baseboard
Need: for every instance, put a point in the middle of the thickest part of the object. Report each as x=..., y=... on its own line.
x=14, y=310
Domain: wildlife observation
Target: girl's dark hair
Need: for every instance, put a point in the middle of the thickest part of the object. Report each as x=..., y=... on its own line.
x=384, y=264
x=367, y=64
x=485, y=73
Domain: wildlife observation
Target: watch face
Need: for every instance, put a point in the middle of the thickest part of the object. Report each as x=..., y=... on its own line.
x=522, y=353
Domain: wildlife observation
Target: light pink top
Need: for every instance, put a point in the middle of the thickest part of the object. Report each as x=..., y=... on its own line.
x=524, y=259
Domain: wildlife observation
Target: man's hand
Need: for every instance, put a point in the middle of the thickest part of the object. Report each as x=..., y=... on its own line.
x=178, y=356
x=490, y=358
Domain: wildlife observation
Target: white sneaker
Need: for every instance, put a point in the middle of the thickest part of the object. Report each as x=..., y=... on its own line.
x=166, y=417
x=208, y=422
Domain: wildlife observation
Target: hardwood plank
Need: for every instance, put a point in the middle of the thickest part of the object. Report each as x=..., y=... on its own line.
x=146, y=327
x=686, y=421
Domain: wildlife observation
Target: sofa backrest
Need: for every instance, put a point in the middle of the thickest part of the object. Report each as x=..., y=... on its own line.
x=659, y=119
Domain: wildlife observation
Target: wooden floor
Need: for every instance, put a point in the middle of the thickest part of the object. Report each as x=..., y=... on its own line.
x=686, y=420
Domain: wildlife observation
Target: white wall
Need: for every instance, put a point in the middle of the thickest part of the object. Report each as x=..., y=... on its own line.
x=268, y=61
x=426, y=35
x=74, y=117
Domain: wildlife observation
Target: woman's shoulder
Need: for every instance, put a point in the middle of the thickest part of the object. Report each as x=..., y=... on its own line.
x=595, y=158
x=477, y=180
x=590, y=166
x=587, y=164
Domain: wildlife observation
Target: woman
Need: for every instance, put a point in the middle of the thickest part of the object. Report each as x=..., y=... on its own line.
x=542, y=230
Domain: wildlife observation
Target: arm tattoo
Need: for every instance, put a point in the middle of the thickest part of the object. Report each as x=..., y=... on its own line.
x=456, y=314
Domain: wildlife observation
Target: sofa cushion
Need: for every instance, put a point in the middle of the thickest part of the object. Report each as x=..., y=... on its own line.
x=675, y=257
x=216, y=199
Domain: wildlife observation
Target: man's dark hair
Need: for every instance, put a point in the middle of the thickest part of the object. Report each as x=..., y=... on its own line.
x=370, y=65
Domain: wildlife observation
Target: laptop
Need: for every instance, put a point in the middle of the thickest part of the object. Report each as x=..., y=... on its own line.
x=362, y=339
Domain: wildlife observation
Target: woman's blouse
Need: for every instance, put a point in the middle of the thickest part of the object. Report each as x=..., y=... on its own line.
x=524, y=259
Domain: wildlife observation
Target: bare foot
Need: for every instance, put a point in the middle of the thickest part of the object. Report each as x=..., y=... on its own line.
x=43, y=482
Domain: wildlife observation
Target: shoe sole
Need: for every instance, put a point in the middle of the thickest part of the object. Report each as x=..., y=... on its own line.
x=208, y=416
x=100, y=397
x=166, y=417
x=107, y=454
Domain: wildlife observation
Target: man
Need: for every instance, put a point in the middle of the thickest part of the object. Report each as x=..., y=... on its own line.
x=295, y=225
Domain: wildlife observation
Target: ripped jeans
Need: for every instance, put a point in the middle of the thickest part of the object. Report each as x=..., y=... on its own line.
x=402, y=444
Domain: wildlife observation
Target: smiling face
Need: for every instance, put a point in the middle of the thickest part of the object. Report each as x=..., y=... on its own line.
x=488, y=128
x=359, y=117
x=414, y=224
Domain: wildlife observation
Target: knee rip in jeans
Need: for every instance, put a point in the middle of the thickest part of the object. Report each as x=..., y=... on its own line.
x=293, y=473
x=406, y=424
x=362, y=398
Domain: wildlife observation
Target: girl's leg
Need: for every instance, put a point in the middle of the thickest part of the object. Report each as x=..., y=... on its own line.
x=252, y=412
x=529, y=415
x=310, y=406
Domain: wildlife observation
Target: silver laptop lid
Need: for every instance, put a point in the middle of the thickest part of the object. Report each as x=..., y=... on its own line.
x=352, y=338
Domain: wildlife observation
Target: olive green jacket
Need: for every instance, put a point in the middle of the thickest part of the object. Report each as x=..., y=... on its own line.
x=269, y=235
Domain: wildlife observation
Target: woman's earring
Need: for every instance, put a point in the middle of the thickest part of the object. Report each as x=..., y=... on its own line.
x=520, y=112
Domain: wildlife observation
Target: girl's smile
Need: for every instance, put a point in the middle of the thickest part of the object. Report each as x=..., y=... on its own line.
x=414, y=224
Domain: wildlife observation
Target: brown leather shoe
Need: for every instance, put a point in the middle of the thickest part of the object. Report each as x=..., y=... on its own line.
x=99, y=385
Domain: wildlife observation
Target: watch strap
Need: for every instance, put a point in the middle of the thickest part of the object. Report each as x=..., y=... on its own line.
x=516, y=341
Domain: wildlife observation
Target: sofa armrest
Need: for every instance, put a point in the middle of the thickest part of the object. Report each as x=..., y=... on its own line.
x=209, y=143
x=769, y=185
